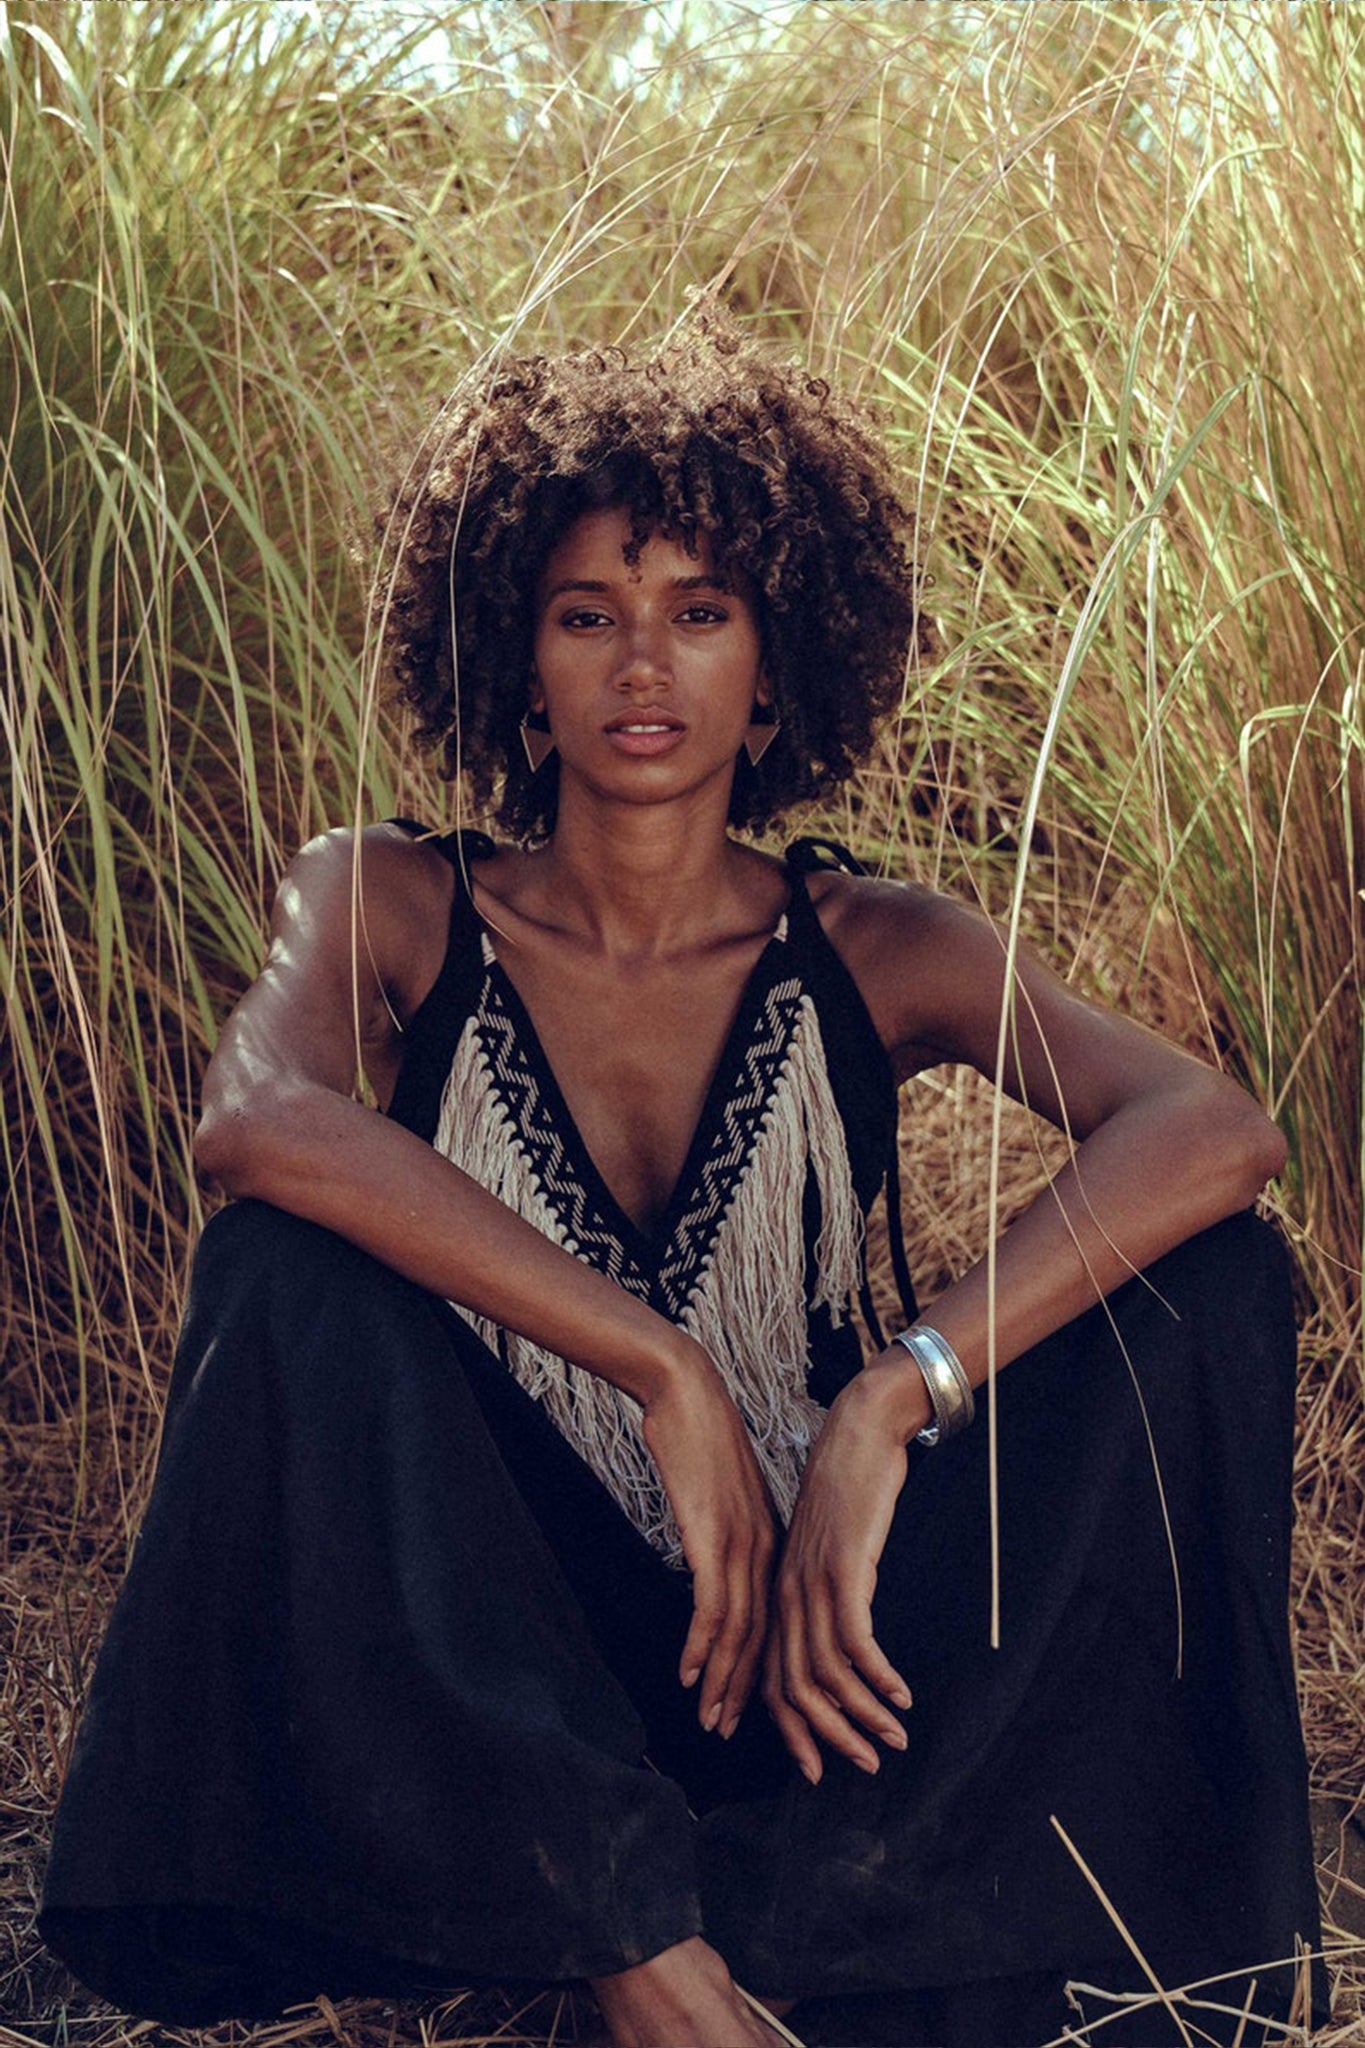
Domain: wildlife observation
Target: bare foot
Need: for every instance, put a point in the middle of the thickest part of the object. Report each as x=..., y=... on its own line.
x=682, y=1998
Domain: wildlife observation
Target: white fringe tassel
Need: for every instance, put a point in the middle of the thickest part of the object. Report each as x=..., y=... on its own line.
x=746, y=1309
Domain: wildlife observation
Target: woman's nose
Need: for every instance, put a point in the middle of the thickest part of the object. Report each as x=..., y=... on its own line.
x=645, y=666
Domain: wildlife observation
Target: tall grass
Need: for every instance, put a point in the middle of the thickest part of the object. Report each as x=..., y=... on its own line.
x=1098, y=265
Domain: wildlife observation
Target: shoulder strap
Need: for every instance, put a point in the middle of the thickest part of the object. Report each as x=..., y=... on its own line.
x=433, y=1032
x=457, y=847
x=808, y=857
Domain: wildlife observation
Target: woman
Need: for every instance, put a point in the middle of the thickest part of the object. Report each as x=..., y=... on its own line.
x=441, y=1655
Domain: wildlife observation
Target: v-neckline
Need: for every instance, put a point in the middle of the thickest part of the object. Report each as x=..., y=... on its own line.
x=648, y=1248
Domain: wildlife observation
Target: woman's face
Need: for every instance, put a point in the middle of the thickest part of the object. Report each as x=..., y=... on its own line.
x=648, y=672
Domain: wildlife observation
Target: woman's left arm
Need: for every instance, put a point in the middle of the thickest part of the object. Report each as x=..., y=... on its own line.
x=1166, y=1147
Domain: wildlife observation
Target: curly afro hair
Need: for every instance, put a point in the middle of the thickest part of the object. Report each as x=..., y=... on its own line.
x=707, y=435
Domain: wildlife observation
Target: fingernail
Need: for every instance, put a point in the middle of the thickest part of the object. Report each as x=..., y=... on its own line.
x=896, y=1737
x=809, y=1772
x=900, y=1697
x=730, y=1725
x=870, y=1765
x=691, y=1677
x=710, y=1717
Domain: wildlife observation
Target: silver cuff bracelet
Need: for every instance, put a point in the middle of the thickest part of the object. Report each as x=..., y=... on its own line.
x=949, y=1390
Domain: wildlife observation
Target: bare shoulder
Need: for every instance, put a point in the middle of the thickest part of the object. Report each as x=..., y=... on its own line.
x=380, y=896
x=861, y=910
x=357, y=937
x=914, y=953
x=391, y=864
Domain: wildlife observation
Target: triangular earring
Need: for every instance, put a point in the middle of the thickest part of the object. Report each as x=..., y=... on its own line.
x=761, y=734
x=537, y=739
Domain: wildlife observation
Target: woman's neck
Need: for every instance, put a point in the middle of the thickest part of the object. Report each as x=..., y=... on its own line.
x=645, y=880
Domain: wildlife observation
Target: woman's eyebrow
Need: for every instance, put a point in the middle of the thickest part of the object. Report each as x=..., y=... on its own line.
x=576, y=583
x=597, y=589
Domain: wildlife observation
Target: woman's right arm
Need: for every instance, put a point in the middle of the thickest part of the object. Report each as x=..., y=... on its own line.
x=281, y=1121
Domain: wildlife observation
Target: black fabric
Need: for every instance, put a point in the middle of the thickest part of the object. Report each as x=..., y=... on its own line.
x=810, y=857
x=432, y=1034
x=389, y=1699
x=339, y=1619
x=1142, y=1692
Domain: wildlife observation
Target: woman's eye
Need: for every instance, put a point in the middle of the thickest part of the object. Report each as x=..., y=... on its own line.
x=705, y=615
x=582, y=617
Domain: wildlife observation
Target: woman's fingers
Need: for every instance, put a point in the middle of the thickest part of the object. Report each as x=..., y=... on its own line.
x=727, y=1647
x=815, y=1681
x=839, y=1679
x=853, y=1632
x=729, y=1621
x=699, y=1443
x=791, y=1726
x=745, y=1673
x=739, y=1644
x=802, y=1690
x=708, y=1612
x=832, y=1674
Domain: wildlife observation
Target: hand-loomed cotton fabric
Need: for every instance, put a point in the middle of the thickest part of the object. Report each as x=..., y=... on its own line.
x=390, y=1700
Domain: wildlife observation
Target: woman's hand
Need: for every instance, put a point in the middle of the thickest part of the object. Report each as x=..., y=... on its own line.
x=698, y=1441
x=825, y=1675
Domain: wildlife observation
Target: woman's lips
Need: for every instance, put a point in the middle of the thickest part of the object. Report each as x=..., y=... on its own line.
x=645, y=736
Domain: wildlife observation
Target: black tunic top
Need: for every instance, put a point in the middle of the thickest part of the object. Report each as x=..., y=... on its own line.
x=760, y=1250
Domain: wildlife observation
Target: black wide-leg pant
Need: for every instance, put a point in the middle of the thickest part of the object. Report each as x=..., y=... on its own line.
x=389, y=1699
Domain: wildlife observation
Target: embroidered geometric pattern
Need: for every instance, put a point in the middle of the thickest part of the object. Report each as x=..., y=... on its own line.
x=534, y=1129
x=732, y=1143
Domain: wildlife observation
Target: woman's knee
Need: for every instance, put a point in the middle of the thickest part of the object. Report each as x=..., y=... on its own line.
x=270, y=1290
x=254, y=1254
x=255, y=1236
x=1241, y=1264
x=1231, y=1289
